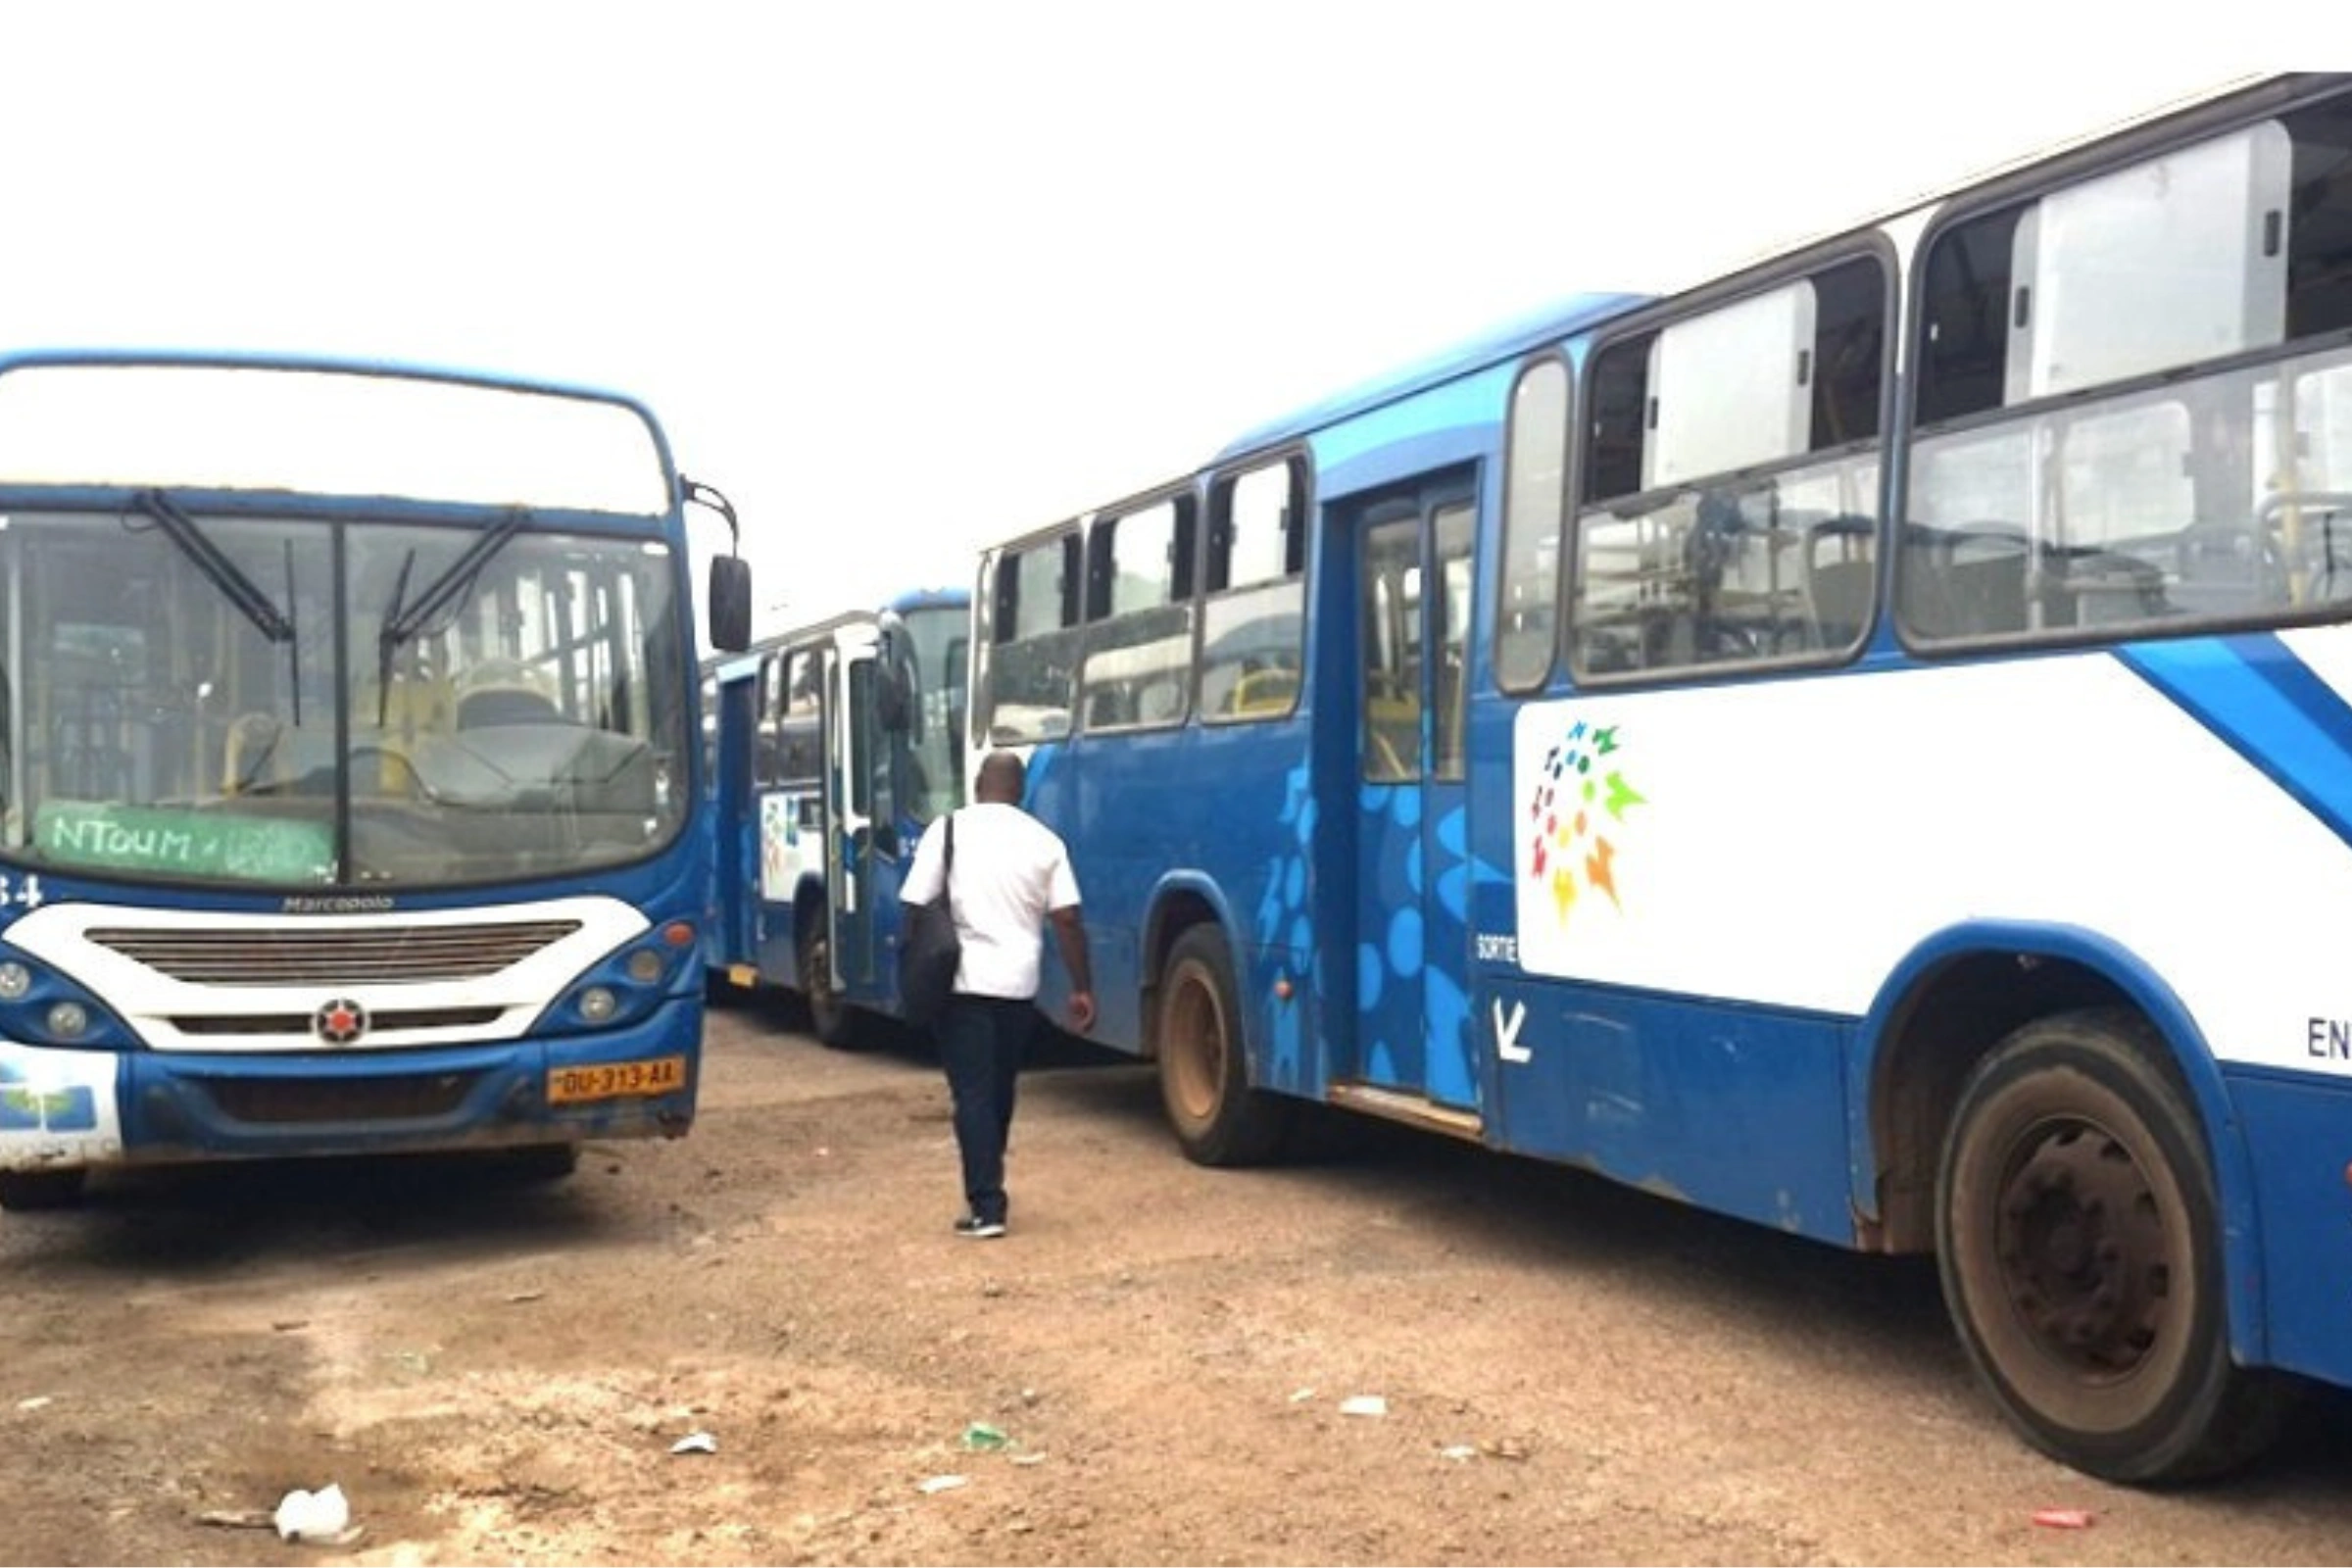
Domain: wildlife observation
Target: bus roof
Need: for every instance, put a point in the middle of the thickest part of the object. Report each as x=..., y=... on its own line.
x=1577, y=312
x=914, y=599
x=1495, y=345
x=319, y=426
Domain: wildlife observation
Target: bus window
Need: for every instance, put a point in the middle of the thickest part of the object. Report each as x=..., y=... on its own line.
x=940, y=634
x=1255, y=590
x=799, y=737
x=1033, y=664
x=1450, y=607
x=710, y=717
x=767, y=767
x=2073, y=473
x=1730, y=509
x=1533, y=506
x=1137, y=663
x=1391, y=643
x=866, y=767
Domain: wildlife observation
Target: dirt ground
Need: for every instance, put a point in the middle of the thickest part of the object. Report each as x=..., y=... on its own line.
x=1155, y=1366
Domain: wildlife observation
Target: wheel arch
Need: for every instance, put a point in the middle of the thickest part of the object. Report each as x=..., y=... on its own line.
x=1180, y=902
x=1958, y=993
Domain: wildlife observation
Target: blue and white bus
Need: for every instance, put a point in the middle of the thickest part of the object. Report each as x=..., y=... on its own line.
x=347, y=735
x=1863, y=744
x=834, y=745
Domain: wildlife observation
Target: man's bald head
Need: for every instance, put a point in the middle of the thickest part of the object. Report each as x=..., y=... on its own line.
x=1003, y=778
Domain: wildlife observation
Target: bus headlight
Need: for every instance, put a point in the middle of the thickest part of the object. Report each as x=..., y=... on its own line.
x=15, y=981
x=67, y=1019
x=597, y=1004
x=645, y=966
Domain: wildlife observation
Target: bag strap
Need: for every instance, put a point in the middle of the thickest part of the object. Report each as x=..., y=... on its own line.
x=947, y=875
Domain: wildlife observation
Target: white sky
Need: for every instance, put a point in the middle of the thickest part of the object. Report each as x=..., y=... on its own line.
x=902, y=278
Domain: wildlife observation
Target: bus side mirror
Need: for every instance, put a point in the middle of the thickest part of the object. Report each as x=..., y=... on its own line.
x=730, y=603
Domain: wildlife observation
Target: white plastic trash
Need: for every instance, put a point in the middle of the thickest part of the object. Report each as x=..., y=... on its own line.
x=322, y=1515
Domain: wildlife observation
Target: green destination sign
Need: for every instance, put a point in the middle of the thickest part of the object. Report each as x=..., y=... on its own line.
x=184, y=843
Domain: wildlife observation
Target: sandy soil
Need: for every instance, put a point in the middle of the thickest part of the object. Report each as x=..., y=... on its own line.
x=1156, y=1366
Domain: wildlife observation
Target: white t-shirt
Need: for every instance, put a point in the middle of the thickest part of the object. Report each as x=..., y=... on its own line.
x=1010, y=870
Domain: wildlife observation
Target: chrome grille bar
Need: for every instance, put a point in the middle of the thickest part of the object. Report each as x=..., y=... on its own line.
x=355, y=955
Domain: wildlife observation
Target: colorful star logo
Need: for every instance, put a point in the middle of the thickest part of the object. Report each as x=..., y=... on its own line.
x=1574, y=813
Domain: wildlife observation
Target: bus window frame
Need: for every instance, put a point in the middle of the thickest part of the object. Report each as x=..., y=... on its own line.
x=1865, y=457
x=993, y=601
x=2014, y=202
x=1100, y=557
x=1554, y=640
x=1296, y=464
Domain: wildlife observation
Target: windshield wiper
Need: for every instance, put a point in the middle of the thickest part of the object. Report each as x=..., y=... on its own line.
x=384, y=644
x=215, y=564
x=402, y=625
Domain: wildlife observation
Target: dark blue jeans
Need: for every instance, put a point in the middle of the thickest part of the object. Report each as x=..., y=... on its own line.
x=981, y=1041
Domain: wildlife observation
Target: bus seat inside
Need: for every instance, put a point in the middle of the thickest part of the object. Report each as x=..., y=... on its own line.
x=1263, y=691
x=1966, y=582
x=1841, y=577
x=2228, y=568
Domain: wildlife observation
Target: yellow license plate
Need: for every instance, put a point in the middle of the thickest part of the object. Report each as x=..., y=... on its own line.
x=613, y=1080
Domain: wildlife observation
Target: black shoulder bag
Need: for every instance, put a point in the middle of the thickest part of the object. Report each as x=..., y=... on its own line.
x=929, y=949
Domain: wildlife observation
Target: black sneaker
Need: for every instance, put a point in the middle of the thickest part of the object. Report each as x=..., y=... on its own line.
x=974, y=1226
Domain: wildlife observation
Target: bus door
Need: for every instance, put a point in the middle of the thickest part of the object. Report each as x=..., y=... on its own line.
x=730, y=723
x=860, y=829
x=788, y=792
x=1413, y=557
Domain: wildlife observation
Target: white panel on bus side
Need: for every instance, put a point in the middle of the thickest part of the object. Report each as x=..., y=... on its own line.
x=1788, y=843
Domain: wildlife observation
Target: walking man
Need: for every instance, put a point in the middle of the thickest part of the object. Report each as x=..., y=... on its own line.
x=1012, y=876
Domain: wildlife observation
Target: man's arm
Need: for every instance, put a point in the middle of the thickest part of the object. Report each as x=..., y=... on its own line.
x=1069, y=933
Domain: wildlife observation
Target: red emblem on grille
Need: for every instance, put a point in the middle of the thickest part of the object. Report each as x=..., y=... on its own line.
x=341, y=1022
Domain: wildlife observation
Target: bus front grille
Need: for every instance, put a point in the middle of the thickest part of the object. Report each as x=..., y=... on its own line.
x=284, y=1101
x=343, y=957
x=302, y=1023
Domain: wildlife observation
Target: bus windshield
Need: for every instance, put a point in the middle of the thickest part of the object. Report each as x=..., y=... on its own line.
x=250, y=688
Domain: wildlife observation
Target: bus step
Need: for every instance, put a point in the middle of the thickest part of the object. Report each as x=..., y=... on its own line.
x=1419, y=1110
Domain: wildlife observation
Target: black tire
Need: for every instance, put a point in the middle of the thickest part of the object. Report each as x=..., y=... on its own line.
x=1218, y=1118
x=831, y=1018
x=29, y=1191
x=2078, y=1232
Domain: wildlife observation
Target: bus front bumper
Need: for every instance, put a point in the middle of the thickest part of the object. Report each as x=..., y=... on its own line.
x=64, y=1110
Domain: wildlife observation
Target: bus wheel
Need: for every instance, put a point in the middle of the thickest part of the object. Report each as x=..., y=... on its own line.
x=27, y=1190
x=2079, y=1236
x=830, y=1018
x=1219, y=1119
